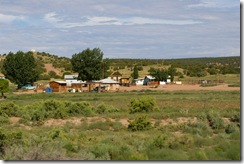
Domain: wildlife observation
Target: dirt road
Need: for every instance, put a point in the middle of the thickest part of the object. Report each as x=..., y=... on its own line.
x=183, y=87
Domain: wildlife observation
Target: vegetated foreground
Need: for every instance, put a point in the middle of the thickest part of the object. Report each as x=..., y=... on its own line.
x=132, y=125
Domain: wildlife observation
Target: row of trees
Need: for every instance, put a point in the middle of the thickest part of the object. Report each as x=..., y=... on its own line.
x=163, y=74
x=22, y=68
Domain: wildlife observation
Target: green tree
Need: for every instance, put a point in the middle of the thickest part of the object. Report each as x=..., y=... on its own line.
x=20, y=68
x=52, y=74
x=159, y=74
x=172, y=72
x=135, y=74
x=4, y=87
x=88, y=64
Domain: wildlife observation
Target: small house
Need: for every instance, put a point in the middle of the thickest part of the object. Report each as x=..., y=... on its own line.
x=58, y=86
x=77, y=86
x=124, y=81
x=111, y=85
x=116, y=76
x=2, y=76
x=139, y=81
x=148, y=79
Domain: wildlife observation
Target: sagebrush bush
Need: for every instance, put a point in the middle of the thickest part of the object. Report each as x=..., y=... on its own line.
x=9, y=109
x=52, y=105
x=201, y=128
x=143, y=104
x=103, y=109
x=4, y=119
x=231, y=128
x=139, y=124
x=99, y=125
x=215, y=121
x=79, y=108
x=161, y=141
x=235, y=118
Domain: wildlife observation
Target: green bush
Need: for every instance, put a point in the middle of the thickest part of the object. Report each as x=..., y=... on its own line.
x=9, y=109
x=52, y=105
x=161, y=141
x=102, y=109
x=144, y=104
x=201, y=128
x=99, y=125
x=79, y=108
x=8, y=138
x=231, y=128
x=215, y=121
x=235, y=118
x=139, y=124
x=4, y=119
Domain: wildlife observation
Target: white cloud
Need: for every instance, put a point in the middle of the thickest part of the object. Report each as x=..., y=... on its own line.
x=216, y=4
x=52, y=18
x=10, y=18
x=103, y=21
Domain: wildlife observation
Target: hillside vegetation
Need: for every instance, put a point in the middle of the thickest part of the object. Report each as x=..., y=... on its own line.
x=53, y=66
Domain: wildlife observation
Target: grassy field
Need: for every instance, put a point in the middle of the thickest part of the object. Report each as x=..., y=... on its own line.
x=137, y=125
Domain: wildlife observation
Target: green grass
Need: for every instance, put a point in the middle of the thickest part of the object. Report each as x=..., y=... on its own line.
x=103, y=139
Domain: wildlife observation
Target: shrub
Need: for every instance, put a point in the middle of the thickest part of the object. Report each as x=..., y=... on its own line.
x=201, y=128
x=139, y=124
x=60, y=114
x=235, y=118
x=51, y=105
x=99, y=125
x=44, y=77
x=102, y=109
x=10, y=109
x=161, y=141
x=231, y=128
x=79, y=108
x=144, y=104
x=215, y=121
x=4, y=120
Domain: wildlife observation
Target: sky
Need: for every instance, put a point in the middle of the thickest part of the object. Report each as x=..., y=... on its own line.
x=156, y=29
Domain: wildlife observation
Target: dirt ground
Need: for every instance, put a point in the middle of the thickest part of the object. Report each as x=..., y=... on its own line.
x=49, y=67
x=124, y=121
x=183, y=87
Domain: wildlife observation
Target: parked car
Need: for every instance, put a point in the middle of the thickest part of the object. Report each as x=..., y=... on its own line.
x=28, y=86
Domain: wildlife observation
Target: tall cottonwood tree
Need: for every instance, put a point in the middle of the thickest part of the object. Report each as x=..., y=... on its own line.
x=88, y=64
x=20, y=68
x=4, y=87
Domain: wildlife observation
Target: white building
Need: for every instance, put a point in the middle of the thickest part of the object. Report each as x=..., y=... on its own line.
x=2, y=76
x=71, y=79
x=138, y=81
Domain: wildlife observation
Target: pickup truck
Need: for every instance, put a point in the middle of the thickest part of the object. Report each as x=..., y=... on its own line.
x=28, y=86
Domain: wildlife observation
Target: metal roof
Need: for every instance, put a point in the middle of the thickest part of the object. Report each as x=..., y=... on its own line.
x=150, y=77
x=108, y=81
x=70, y=76
x=61, y=82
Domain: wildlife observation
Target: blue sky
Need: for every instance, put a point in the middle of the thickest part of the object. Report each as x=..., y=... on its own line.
x=158, y=29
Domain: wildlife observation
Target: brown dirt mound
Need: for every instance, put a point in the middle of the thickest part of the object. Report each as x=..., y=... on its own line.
x=49, y=67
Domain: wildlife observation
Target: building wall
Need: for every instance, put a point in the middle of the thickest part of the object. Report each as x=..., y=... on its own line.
x=56, y=87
